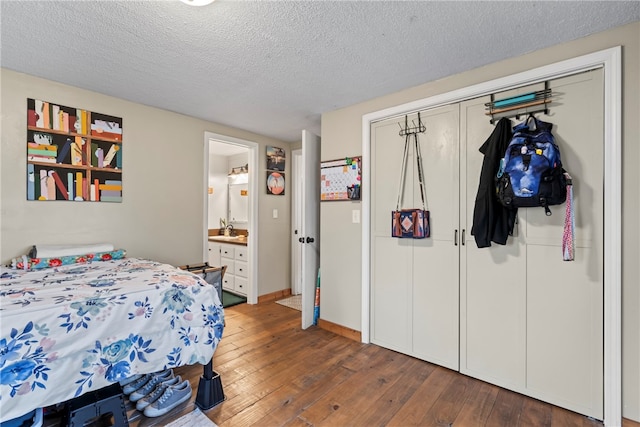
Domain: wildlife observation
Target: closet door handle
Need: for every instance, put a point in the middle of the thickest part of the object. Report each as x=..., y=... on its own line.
x=462, y=241
x=455, y=237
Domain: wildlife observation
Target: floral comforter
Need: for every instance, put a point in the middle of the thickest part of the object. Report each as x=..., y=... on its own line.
x=75, y=328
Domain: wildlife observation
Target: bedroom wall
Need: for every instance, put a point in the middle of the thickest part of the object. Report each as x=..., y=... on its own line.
x=163, y=185
x=342, y=136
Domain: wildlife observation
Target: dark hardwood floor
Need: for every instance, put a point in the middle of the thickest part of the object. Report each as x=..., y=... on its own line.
x=275, y=374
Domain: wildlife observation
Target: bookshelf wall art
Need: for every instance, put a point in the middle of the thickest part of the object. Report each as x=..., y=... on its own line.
x=72, y=154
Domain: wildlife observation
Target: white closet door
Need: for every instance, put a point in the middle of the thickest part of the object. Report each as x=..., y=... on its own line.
x=414, y=298
x=435, y=309
x=392, y=260
x=531, y=322
x=565, y=334
x=493, y=297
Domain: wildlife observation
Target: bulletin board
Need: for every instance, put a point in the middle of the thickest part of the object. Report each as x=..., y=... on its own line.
x=341, y=179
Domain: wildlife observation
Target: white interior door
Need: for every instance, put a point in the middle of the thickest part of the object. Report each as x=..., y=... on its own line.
x=296, y=222
x=310, y=224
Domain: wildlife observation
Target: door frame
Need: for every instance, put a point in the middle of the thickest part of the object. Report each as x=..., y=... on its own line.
x=609, y=59
x=252, y=242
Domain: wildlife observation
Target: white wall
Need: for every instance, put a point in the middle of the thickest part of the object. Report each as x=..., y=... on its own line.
x=342, y=136
x=160, y=216
x=238, y=160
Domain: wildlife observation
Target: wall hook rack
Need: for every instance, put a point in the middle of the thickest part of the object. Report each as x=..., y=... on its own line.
x=412, y=130
x=540, y=98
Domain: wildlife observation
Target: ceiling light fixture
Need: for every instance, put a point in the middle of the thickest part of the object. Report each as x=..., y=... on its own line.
x=197, y=2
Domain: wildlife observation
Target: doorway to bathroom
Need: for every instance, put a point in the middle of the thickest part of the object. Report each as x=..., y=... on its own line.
x=230, y=226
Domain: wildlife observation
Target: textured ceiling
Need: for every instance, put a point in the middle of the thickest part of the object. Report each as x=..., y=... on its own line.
x=273, y=67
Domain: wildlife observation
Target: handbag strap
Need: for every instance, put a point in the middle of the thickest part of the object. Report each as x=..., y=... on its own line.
x=403, y=172
x=420, y=172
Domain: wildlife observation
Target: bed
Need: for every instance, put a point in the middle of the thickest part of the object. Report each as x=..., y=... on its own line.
x=66, y=330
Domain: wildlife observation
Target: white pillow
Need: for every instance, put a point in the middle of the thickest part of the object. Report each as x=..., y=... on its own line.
x=52, y=251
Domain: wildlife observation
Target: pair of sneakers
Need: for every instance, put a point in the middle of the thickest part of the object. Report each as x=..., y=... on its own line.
x=133, y=386
x=156, y=392
x=166, y=396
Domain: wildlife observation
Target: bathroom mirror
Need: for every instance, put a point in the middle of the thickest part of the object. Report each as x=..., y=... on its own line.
x=238, y=203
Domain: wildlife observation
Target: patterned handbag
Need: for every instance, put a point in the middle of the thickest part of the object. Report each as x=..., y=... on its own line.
x=410, y=223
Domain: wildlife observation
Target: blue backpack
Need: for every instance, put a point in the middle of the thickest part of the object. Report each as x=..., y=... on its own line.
x=531, y=172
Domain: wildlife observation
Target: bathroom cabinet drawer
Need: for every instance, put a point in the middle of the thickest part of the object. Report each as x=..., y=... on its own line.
x=241, y=285
x=227, y=251
x=228, y=282
x=241, y=253
x=240, y=268
x=230, y=265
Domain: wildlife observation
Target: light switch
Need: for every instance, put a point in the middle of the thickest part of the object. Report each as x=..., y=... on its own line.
x=275, y=213
x=355, y=216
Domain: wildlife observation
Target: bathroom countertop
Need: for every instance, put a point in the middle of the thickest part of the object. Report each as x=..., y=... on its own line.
x=235, y=240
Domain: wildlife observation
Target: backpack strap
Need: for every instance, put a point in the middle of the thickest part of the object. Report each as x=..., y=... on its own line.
x=568, y=235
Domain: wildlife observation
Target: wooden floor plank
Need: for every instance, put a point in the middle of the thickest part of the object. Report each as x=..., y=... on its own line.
x=390, y=402
x=476, y=409
x=535, y=414
x=506, y=410
x=449, y=404
x=425, y=396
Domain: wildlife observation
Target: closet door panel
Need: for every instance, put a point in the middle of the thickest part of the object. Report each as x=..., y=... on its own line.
x=492, y=280
x=391, y=267
x=475, y=128
x=494, y=315
x=578, y=130
x=386, y=159
x=435, y=304
x=564, y=330
x=565, y=335
x=530, y=321
x=435, y=259
x=391, y=294
x=440, y=160
x=416, y=280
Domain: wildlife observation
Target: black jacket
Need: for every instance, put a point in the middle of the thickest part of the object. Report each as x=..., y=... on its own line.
x=492, y=222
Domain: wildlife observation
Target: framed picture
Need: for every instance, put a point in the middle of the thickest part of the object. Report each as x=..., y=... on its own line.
x=341, y=179
x=72, y=154
x=276, y=157
x=275, y=183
